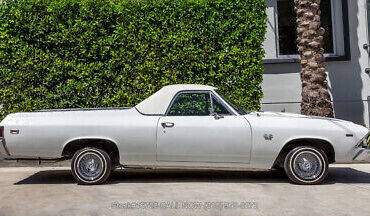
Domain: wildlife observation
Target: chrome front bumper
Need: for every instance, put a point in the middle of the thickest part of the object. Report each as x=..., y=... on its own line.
x=363, y=155
x=3, y=149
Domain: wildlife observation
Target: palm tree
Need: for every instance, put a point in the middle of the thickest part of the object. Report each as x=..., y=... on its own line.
x=315, y=96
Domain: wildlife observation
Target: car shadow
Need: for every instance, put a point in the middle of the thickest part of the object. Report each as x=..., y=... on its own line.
x=336, y=175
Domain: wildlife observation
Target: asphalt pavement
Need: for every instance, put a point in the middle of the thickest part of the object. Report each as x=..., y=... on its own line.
x=52, y=191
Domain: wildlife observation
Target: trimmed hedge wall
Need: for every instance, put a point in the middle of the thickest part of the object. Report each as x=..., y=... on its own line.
x=102, y=53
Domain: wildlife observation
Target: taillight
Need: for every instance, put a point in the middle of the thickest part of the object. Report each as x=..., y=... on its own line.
x=1, y=131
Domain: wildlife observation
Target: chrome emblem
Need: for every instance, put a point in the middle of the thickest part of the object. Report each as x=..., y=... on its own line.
x=268, y=136
x=14, y=131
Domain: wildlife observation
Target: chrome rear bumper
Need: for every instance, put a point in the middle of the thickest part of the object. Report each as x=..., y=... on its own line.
x=363, y=155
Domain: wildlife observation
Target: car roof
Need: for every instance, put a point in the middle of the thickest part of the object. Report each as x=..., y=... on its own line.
x=157, y=103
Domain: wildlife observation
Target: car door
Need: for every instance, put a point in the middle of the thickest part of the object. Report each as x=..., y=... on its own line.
x=198, y=127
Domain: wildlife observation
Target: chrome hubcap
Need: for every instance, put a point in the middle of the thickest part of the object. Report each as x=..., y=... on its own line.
x=90, y=166
x=307, y=165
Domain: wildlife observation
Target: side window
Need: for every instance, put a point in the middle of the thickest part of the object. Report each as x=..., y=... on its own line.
x=191, y=104
x=219, y=108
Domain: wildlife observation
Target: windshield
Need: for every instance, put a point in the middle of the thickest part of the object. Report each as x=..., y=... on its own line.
x=237, y=108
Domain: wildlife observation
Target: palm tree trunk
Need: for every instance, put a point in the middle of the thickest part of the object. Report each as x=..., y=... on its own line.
x=315, y=96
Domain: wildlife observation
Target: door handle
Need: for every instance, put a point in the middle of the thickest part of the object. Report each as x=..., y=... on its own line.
x=167, y=124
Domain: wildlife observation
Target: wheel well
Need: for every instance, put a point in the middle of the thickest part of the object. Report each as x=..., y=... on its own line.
x=106, y=145
x=318, y=143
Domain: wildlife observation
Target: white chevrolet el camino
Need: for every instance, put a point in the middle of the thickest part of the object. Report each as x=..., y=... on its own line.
x=184, y=127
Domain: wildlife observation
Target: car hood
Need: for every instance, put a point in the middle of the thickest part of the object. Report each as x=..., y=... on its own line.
x=291, y=115
x=358, y=130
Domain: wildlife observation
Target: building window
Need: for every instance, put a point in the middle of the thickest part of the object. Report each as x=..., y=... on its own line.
x=287, y=27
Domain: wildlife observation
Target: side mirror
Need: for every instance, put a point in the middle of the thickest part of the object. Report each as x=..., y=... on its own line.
x=217, y=116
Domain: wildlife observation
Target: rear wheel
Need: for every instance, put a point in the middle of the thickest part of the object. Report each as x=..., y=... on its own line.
x=306, y=165
x=91, y=166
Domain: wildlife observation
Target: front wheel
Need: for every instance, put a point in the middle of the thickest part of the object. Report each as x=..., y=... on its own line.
x=306, y=165
x=91, y=166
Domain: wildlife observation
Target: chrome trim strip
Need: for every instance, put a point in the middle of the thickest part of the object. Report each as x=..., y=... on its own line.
x=34, y=160
x=83, y=109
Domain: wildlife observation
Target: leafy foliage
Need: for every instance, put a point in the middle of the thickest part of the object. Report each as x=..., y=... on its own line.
x=99, y=53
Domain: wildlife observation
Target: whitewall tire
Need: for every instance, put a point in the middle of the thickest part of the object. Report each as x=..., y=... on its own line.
x=306, y=165
x=91, y=166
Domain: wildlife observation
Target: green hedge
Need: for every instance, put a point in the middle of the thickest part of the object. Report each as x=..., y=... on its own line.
x=102, y=53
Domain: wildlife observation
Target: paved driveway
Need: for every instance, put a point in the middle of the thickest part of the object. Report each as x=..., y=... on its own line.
x=52, y=191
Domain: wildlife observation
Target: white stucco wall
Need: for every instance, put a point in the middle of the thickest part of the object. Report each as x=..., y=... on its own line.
x=349, y=84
